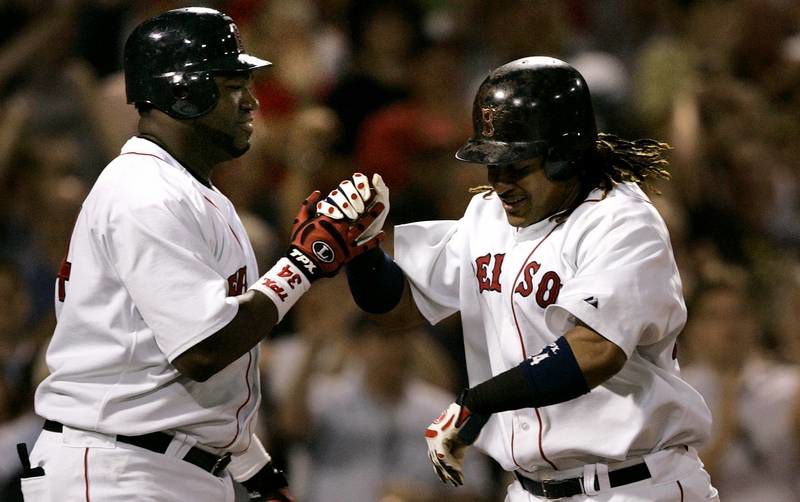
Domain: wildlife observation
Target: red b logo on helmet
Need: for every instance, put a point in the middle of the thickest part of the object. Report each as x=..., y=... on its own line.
x=487, y=115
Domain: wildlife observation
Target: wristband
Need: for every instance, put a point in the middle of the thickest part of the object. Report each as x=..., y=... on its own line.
x=284, y=284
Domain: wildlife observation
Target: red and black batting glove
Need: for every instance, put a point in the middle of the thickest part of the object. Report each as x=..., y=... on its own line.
x=353, y=197
x=320, y=245
x=268, y=485
x=448, y=438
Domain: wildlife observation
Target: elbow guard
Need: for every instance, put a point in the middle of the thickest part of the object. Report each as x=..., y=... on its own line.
x=376, y=281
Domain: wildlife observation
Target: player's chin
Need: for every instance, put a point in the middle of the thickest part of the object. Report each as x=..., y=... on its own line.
x=516, y=221
x=240, y=144
x=237, y=151
x=517, y=217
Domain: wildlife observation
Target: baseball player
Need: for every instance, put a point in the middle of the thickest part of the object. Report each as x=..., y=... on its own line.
x=570, y=302
x=154, y=386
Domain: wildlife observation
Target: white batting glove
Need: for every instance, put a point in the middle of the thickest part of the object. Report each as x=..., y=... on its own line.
x=448, y=438
x=353, y=197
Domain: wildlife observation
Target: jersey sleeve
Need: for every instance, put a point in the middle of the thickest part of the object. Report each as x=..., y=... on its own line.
x=430, y=255
x=246, y=464
x=626, y=286
x=161, y=257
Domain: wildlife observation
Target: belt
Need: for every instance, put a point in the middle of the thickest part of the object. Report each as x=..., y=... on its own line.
x=561, y=488
x=158, y=442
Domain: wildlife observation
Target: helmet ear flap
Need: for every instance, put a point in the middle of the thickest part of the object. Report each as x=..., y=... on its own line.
x=557, y=166
x=180, y=91
x=566, y=156
x=193, y=96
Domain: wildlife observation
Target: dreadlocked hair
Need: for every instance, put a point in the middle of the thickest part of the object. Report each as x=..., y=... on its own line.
x=486, y=190
x=617, y=160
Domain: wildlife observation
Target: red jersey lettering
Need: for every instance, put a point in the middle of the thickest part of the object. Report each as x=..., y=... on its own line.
x=546, y=291
x=498, y=266
x=525, y=288
x=486, y=283
x=63, y=277
x=481, y=263
x=549, y=286
x=237, y=282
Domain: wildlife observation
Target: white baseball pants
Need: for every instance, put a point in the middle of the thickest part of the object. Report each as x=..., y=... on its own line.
x=83, y=466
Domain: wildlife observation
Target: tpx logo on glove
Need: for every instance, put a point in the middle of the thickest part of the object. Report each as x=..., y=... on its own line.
x=323, y=251
x=304, y=261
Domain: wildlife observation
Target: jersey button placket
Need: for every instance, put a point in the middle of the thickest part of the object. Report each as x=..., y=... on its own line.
x=523, y=438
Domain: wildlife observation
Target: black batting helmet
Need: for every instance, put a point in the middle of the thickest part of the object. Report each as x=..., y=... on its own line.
x=533, y=107
x=170, y=60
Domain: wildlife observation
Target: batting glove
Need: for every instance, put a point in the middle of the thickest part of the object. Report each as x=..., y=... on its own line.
x=355, y=196
x=448, y=437
x=321, y=245
x=268, y=485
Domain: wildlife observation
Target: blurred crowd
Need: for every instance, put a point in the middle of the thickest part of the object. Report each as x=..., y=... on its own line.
x=386, y=86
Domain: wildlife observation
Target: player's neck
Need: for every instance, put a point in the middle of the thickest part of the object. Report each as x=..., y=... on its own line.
x=204, y=180
x=180, y=144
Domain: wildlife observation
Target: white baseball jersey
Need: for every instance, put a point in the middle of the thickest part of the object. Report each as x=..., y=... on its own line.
x=153, y=262
x=609, y=264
